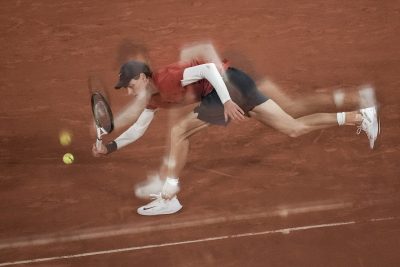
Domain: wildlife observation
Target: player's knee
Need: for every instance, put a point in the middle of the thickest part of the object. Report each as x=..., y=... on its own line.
x=296, y=131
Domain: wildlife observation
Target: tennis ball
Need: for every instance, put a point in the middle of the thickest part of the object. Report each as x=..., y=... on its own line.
x=65, y=138
x=68, y=158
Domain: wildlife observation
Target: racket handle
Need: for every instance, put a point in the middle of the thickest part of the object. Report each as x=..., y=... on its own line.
x=99, y=143
x=99, y=140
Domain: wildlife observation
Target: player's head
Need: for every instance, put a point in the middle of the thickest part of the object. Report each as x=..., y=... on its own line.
x=131, y=72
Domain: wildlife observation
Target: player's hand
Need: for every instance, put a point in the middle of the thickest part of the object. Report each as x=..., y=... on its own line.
x=233, y=111
x=99, y=152
x=170, y=189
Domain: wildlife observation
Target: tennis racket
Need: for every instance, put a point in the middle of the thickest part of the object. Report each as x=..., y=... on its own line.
x=103, y=117
x=101, y=110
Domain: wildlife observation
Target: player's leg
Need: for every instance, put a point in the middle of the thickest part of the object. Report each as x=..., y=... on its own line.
x=338, y=100
x=272, y=114
x=166, y=202
x=209, y=111
x=179, y=142
x=155, y=179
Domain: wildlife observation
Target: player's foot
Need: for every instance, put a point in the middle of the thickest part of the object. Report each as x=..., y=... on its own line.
x=369, y=124
x=151, y=186
x=160, y=206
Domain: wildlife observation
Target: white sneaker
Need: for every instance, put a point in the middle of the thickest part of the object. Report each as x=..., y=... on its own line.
x=160, y=206
x=151, y=186
x=370, y=124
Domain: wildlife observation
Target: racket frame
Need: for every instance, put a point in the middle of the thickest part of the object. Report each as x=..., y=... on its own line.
x=100, y=131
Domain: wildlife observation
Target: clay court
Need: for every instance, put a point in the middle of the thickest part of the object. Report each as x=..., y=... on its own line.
x=251, y=196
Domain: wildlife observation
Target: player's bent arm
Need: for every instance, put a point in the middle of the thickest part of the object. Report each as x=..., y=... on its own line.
x=210, y=72
x=133, y=133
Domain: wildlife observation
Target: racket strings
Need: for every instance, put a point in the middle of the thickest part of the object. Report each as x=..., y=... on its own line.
x=102, y=114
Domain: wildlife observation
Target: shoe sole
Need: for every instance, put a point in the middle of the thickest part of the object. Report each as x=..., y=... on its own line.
x=374, y=145
x=162, y=213
x=377, y=140
x=375, y=122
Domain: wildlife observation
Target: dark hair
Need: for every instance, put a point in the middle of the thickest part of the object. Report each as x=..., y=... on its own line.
x=147, y=71
x=131, y=70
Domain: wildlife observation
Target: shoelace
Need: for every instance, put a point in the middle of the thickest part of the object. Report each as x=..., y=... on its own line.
x=359, y=129
x=365, y=117
x=158, y=197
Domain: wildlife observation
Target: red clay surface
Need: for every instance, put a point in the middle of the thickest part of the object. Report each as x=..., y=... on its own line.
x=49, y=47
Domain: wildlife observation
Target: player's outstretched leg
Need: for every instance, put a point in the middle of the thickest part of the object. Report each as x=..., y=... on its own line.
x=273, y=115
x=166, y=201
x=337, y=100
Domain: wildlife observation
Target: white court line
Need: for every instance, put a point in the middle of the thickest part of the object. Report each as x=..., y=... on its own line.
x=215, y=171
x=283, y=231
x=129, y=229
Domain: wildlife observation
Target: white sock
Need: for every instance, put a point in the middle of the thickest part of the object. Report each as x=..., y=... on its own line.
x=169, y=162
x=341, y=118
x=172, y=180
x=170, y=188
x=338, y=97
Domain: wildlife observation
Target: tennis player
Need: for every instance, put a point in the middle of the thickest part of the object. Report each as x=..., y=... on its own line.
x=224, y=93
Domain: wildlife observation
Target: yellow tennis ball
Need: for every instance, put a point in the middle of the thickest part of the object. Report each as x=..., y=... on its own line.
x=68, y=158
x=65, y=138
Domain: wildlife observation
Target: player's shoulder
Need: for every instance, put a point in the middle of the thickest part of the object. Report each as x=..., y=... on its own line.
x=181, y=65
x=174, y=65
x=170, y=70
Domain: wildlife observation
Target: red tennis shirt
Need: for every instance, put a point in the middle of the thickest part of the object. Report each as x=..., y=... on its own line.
x=170, y=90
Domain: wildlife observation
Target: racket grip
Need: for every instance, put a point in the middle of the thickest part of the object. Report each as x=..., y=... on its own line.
x=99, y=142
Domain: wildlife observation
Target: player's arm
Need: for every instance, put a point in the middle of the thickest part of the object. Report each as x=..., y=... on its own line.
x=132, y=111
x=209, y=72
x=130, y=115
x=132, y=134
